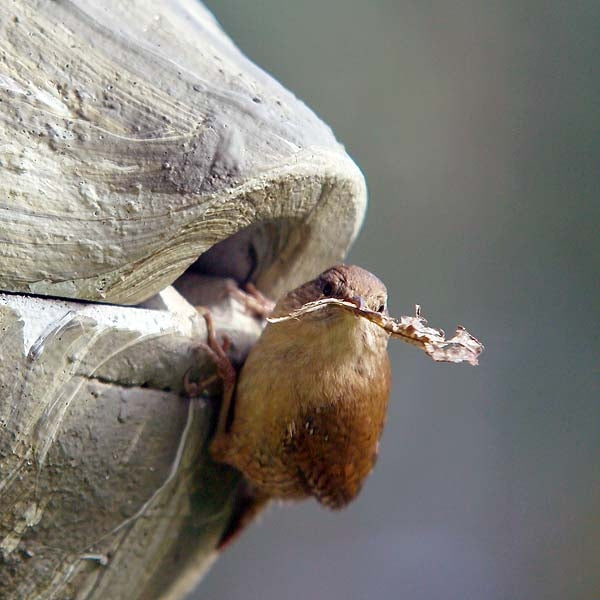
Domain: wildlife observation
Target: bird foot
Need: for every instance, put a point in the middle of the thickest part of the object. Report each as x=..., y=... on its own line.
x=225, y=370
x=252, y=299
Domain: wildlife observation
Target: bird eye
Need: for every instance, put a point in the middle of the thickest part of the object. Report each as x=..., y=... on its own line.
x=381, y=308
x=327, y=288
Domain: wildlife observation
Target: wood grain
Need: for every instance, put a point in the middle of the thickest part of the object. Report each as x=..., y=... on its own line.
x=138, y=148
x=134, y=136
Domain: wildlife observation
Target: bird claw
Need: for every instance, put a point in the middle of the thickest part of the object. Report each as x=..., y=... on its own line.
x=252, y=299
x=217, y=351
x=194, y=389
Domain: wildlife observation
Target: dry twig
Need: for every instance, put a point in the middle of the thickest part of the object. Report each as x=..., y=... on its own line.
x=462, y=347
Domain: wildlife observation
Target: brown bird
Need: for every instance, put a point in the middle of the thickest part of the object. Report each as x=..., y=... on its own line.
x=311, y=399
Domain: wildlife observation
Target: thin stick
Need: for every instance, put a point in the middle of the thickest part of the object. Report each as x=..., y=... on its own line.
x=462, y=347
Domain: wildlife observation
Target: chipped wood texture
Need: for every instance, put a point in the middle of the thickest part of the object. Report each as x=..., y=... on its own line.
x=101, y=460
x=134, y=136
x=135, y=141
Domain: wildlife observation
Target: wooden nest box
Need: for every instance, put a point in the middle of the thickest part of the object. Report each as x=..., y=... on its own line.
x=143, y=160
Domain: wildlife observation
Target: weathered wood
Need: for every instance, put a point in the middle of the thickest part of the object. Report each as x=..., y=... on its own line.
x=134, y=136
x=106, y=490
x=137, y=144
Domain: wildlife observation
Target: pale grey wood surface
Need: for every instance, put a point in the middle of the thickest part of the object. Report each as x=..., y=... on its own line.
x=136, y=141
x=106, y=490
x=134, y=136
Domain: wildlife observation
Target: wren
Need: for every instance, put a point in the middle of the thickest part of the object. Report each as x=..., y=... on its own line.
x=309, y=406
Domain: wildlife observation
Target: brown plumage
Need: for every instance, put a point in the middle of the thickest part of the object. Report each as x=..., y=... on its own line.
x=311, y=399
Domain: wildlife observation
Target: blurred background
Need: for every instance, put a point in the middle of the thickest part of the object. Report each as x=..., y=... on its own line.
x=477, y=125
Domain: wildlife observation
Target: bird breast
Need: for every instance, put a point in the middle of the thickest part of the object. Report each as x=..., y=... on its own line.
x=312, y=399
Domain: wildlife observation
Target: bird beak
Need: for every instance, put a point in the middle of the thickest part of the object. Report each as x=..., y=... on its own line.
x=360, y=302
